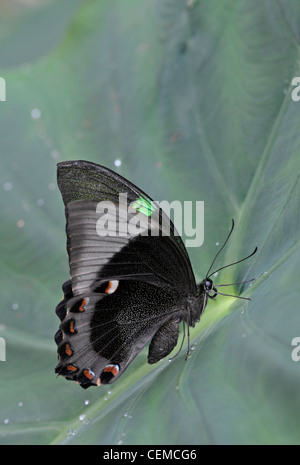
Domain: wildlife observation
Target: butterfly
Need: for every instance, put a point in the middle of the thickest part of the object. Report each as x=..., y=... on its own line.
x=131, y=279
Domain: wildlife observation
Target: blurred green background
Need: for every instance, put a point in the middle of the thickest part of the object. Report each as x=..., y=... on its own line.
x=193, y=97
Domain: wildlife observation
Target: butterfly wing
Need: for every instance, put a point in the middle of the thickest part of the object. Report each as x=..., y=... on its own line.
x=83, y=186
x=124, y=288
x=101, y=334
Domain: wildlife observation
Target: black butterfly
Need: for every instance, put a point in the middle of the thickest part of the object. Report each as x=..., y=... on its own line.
x=125, y=289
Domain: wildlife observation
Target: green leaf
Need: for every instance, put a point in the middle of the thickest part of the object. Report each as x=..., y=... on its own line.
x=194, y=99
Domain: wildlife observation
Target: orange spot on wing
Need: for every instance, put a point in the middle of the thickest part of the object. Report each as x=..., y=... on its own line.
x=71, y=368
x=81, y=308
x=68, y=350
x=114, y=369
x=88, y=374
x=72, y=327
x=112, y=287
x=108, y=287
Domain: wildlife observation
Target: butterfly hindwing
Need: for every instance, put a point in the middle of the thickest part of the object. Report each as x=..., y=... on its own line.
x=109, y=329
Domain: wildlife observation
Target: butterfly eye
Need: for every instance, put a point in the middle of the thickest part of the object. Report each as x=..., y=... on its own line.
x=208, y=285
x=209, y=288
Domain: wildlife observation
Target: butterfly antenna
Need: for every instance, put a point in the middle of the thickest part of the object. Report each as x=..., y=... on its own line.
x=234, y=263
x=227, y=239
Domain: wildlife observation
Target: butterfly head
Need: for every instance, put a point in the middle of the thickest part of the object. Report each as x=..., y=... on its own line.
x=207, y=287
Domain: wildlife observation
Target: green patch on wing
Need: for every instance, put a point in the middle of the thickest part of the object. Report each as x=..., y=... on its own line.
x=144, y=206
